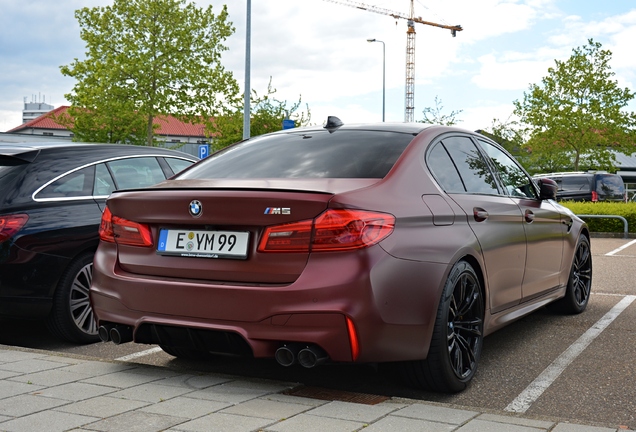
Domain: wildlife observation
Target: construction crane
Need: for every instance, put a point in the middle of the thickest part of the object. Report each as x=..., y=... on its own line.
x=409, y=96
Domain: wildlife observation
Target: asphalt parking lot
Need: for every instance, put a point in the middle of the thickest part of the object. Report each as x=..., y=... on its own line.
x=572, y=367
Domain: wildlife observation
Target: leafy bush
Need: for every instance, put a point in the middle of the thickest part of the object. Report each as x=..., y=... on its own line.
x=626, y=210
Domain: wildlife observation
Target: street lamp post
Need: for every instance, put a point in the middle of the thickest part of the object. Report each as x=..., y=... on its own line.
x=383, y=73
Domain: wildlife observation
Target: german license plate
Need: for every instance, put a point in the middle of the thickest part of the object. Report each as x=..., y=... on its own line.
x=203, y=244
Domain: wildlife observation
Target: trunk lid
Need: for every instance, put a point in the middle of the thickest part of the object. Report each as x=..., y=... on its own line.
x=228, y=208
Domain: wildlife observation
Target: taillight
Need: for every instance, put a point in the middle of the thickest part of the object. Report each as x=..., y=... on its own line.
x=11, y=224
x=333, y=230
x=594, y=196
x=115, y=229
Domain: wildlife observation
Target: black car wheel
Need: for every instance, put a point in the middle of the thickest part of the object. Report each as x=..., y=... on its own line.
x=577, y=294
x=72, y=316
x=457, y=337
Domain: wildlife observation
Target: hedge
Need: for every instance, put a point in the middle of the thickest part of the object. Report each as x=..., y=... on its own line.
x=626, y=210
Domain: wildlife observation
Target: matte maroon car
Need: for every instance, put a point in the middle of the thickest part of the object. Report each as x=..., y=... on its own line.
x=345, y=243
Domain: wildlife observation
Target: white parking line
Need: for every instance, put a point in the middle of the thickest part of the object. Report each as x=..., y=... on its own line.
x=617, y=250
x=527, y=397
x=139, y=354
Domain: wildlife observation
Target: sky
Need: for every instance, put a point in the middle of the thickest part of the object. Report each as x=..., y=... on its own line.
x=317, y=50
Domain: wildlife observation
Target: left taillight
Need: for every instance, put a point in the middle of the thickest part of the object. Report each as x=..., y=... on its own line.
x=11, y=224
x=333, y=230
x=115, y=229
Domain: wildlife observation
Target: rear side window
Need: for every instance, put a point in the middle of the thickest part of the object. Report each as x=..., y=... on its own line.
x=136, y=172
x=467, y=163
x=575, y=183
x=177, y=165
x=315, y=154
x=76, y=184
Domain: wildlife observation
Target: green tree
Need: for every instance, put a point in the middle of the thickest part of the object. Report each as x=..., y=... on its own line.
x=145, y=59
x=434, y=115
x=576, y=116
x=267, y=115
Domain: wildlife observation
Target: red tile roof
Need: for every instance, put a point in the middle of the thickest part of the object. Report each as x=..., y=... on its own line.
x=168, y=125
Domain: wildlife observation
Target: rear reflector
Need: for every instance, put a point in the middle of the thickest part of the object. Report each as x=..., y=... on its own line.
x=11, y=224
x=115, y=229
x=353, y=340
x=333, y=230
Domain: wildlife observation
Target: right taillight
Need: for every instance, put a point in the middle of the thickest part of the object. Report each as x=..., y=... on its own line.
x=115, y=229
x=333, y=230
x=11, y=224
x=594, y=196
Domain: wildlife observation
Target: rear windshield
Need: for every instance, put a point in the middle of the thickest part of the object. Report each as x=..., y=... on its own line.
x=609, y=184
x=315, y=154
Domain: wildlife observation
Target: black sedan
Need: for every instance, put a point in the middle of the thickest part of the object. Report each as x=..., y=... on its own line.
x=51, y=199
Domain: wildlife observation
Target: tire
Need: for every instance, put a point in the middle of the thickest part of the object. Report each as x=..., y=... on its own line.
x=457, y=338
x=186, y=353
x=577, y=293
x=71, y=316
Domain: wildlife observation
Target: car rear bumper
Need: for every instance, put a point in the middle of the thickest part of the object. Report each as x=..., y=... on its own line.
x=391, y=304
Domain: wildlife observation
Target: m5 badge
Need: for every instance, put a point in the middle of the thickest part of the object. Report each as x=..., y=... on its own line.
x=278, y=210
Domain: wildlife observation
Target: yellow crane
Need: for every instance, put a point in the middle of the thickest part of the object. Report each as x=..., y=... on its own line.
x=409, y=97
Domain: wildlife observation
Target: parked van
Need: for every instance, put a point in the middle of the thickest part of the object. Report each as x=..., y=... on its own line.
x=587, y=186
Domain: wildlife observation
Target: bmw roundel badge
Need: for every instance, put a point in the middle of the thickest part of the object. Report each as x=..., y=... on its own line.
x=196, y=208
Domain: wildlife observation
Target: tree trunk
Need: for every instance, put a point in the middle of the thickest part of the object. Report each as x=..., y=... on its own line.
x=149, y=135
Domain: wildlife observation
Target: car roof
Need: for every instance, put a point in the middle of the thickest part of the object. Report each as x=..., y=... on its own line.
x=29, y=151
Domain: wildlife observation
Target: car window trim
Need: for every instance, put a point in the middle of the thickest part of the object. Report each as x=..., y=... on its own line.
x=87, y=197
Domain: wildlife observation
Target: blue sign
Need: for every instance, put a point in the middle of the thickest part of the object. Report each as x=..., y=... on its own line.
x=204, y=151
x=288, y=124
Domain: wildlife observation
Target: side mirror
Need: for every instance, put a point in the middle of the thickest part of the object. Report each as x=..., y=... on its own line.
x=547, y=188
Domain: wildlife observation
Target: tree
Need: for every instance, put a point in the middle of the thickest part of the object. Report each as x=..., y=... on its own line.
x=145, y=59
x=576, y=117
x=434, y=115
x=267, y=115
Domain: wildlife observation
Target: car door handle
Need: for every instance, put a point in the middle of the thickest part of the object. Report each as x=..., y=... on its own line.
x=529, y=216
x=480, y=214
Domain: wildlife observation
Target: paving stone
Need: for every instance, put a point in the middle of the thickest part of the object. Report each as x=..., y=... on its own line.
x=516, y=420
x=25, y=404
x=102, y=406
x=436, y=413
x=50, y=378
x=264, y=408
x=121, y=380
x=405, y=424
x=8, y=356
x=218, y=422
x=185, y=407
x=490, y=426
x=310, y=423
x=75, y=391
x=96, y=368
x=135, y=421
x=49, y=421
x=195, y=382
x=280, y=397
x=31, y=365
x=151, y=392
x=237, y=391
x=353, y=411
x=13, y=388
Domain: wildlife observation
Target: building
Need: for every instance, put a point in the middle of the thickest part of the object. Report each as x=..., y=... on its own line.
x=175, y=133
x=33, y=110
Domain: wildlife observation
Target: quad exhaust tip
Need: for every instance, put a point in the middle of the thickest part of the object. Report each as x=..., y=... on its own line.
x=118, y=334
x=308, y=355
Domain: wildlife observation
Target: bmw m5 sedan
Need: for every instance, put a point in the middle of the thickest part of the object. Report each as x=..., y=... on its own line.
x=404, y=243
x=51, y=201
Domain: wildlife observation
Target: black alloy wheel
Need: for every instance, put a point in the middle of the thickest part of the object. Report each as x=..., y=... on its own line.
x=72, y=316
x=577, y=294
x=457, y=337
